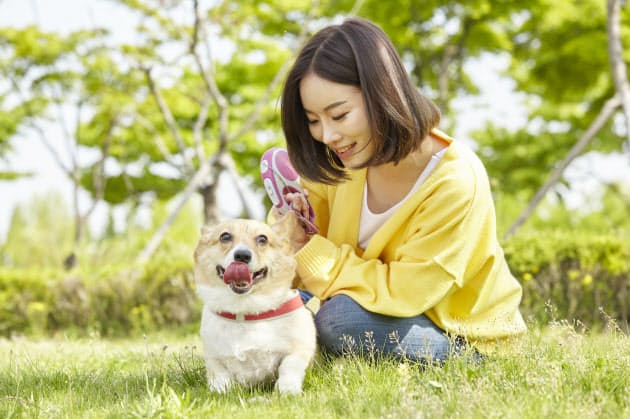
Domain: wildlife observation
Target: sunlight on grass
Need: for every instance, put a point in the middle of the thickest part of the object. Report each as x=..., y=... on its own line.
x=561, y=371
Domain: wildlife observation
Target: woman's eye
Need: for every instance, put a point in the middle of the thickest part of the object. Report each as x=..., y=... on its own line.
x=340, y=117
x=262, y=239
x=312, y=121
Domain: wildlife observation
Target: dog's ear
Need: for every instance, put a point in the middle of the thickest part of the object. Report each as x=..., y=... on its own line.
x=206, y=233
x=284, y=224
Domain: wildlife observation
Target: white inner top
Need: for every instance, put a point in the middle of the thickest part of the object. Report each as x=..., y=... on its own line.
x=370, y=222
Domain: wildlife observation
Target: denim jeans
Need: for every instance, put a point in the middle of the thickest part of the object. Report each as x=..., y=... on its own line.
x=343, y=326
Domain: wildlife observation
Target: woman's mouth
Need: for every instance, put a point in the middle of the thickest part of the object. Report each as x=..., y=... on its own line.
x=345, y=152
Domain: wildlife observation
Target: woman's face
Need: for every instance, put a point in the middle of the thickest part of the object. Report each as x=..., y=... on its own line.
x=337, y=117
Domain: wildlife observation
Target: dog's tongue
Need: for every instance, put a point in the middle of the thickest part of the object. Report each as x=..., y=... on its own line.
x=237, y=272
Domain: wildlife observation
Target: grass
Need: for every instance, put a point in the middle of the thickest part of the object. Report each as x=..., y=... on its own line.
x=559, y=373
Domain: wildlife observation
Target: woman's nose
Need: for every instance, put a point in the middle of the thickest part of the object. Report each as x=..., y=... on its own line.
x=329, y=134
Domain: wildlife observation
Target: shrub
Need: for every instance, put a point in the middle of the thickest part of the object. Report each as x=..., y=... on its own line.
x=115, y=301
x=565, y=275
x=578, y=275
x=25, y=300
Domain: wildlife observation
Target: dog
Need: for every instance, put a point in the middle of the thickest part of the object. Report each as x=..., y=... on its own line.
x=254, y=326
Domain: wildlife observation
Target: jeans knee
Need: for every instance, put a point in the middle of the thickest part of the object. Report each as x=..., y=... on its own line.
x=343, y=326
x=332, y=323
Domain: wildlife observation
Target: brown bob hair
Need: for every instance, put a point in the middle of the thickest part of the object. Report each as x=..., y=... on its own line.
x=357, y=53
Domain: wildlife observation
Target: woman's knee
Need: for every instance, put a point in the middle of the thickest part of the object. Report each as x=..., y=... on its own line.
x=334, y=322
x=344, y=326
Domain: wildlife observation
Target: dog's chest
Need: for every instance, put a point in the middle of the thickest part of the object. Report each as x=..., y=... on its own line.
x=253, y=347
x=229, y=337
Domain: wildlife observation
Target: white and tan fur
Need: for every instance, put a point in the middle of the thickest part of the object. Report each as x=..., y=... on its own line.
x=251, y=352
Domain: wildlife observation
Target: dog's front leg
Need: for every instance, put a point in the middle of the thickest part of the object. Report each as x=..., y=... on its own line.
x=291, y=373
x=219, y=379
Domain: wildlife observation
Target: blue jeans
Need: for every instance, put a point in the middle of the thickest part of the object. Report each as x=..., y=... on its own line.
x=343, y=327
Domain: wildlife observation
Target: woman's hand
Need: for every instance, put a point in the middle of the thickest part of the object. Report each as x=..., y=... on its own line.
x=298, y=202
x=294, y=228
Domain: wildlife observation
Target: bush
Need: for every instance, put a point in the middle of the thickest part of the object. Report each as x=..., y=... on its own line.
x=572, y=275
x=25, y=300
x=115, y=301
x=565, y=275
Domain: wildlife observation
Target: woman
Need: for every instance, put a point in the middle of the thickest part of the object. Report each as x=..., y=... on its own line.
x=406, y=261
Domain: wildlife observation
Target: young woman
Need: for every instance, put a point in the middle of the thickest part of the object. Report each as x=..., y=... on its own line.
x=406, y=261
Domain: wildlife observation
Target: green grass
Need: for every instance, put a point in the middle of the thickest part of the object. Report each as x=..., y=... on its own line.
x=559, y=373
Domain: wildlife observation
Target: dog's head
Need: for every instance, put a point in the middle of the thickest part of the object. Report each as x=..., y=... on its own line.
x=245, y=255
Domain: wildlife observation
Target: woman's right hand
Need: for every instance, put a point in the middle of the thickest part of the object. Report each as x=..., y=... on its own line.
x=298, y=202
x=294, y=228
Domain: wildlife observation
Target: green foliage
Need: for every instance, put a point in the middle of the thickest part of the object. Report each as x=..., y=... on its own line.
x=121, y=189
x=10, y=120
x=11, y=175
x=41, y=231
x=574, y=33
x=49, y=76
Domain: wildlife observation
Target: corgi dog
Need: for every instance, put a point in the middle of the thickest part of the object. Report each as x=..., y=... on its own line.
x=254, y=326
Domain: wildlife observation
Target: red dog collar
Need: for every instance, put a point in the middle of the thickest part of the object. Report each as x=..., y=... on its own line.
x=286, y=307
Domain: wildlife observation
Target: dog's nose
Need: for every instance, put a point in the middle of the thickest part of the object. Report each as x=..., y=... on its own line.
x=243, y=255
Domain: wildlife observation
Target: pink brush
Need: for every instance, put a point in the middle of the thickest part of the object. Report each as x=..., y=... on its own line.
x=280, y=178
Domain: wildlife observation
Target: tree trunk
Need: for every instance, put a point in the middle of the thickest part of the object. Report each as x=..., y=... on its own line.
x=617, y=64
x=210, y=209
x=606, y=112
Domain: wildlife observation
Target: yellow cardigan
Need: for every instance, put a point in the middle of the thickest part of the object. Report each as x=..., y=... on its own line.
x=438, y=254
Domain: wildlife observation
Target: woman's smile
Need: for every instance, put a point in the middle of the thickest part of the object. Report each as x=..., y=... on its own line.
x=344, y=152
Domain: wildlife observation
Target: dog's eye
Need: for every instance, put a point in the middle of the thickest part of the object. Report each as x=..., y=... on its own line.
x=262, y=239
x=225, y=237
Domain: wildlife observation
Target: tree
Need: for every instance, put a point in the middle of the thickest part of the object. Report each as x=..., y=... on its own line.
x=202, y=109
x=53, y=83
x=571, y=80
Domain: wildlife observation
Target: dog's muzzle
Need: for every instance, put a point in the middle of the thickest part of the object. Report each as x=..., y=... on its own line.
x=238, y=276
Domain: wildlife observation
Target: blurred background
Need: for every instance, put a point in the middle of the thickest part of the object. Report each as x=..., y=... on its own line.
x=125, y=125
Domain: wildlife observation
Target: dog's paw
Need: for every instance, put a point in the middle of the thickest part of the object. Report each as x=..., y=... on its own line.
x=219, y=384
x=289, y=385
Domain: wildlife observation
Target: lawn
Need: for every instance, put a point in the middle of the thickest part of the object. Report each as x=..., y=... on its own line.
x=560, y=372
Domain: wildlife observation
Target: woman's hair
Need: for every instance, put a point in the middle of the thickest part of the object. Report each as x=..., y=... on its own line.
x=356, y=53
